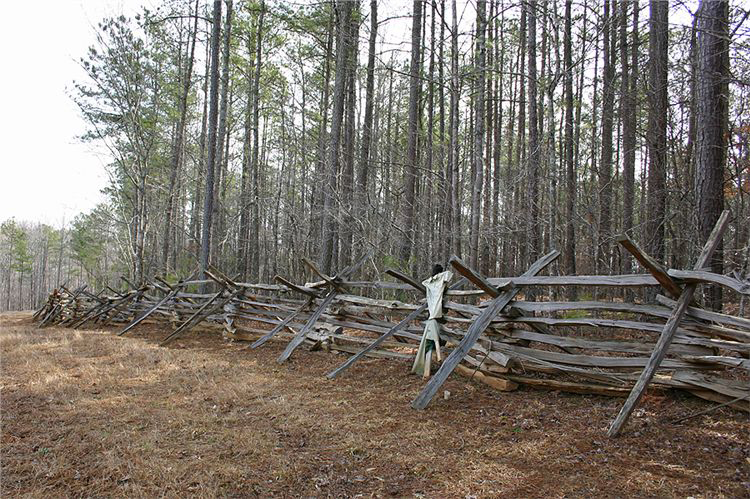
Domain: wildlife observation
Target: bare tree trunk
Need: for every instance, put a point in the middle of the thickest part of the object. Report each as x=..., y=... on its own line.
x=195, y=216
x=179, y=146
x=520, y=248
x=499, y=47
x=410, y=173
x=247, y=166
x=221, y=138
x=347, y=173
x=255, y=170
x=344, y=13
x=570, y=169
x=211, y=152
x=533, y=223
x=318, y=193
x=479, y=119
x=628, y=111
x=363, y=174
x=605, y=164
x=445, y=206
x=712, y=95
x=455, y=226
x=657, y=129
x=490, y=126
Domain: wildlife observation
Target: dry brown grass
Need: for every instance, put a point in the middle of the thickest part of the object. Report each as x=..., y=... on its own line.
x=85, y=413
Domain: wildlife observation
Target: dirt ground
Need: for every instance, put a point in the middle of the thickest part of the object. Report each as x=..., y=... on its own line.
x=85, y=413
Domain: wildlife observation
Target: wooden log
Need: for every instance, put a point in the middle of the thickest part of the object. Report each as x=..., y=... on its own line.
x=604, y=346
x=720, y=360
x=491, y=289
x=628, y=280
x=408, y=280
x=476, y=279
x=126, y=298
x=740, y=403
x=300, y=289
x=260, y=341
x=702, y=276
x=669, y=285
x=297, y=340
x=570, y=386
x=479, y=325
x=150, y=311
x=351, y=360
x=725, y=387
x=193, y=319
x=327, y=279
x=114, y=312
x=590, y=360
x=384, y=354
x=669, y=330
x=503, y=385
x=344, y=274
x=708, y=315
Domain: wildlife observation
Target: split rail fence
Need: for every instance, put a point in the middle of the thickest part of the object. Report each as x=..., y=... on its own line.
x=494, y=335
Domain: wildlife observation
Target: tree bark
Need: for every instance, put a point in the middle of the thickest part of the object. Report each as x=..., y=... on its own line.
x=657, y=129
x=479, y=120
x=343, y=14
x=211, y=150
x=533, y=224
x=363, y=174
x=347, y=173
x=255, y=171
x=570, y=169
x=410, y=172
x=712, y=94
x=605, y=164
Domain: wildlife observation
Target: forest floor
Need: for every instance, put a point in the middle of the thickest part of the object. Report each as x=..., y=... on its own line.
x=85, y=413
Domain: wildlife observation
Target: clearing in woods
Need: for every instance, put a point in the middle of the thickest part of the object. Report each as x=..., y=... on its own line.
x=86, y=413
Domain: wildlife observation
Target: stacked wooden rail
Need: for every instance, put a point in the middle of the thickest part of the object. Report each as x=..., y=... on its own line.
x=494, y=335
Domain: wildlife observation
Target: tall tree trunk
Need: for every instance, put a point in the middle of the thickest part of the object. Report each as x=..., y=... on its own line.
x=712, y=95
x=491, y=99
x=195, y=216
x=318, y=193
x=363, y=174
x=521, y=249
x=479, y=119
x=222, y=140
x=255, y=170
x=445, y=206
x=347, y=173
x=499, y=47
x=533, y=223
x=410, y=173
x=455, y=226
x=657, y=129
x=605, y=164
x=213, y=114
x=432, y=216
x=343, y=14
x=570, y=169
x=247, y=166
x=628, y=111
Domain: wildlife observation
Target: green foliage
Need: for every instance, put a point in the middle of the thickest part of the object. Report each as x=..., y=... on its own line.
x=89, y=235
x=17, y=244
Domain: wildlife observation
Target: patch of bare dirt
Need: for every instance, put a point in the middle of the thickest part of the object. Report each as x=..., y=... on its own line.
x=85, y=413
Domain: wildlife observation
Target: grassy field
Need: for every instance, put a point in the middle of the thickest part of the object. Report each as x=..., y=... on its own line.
x=85, y=413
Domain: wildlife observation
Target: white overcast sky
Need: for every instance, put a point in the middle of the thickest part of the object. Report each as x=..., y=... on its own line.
x=46, y=175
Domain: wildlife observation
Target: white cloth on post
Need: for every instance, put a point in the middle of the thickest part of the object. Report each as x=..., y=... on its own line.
x=435, y=288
